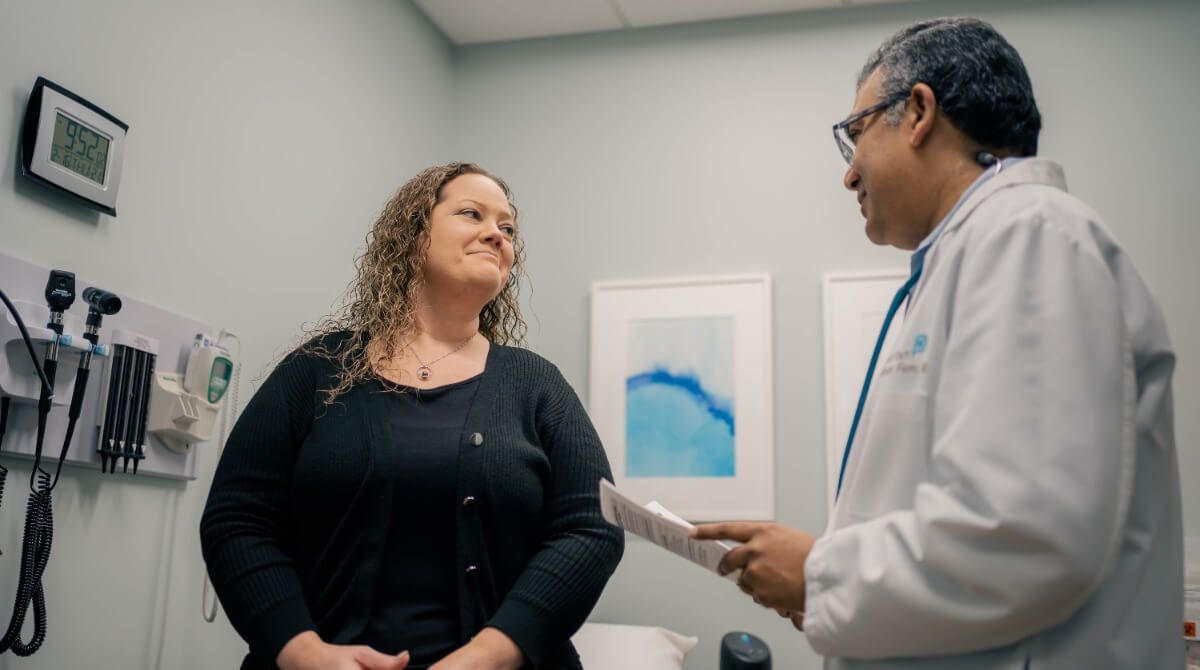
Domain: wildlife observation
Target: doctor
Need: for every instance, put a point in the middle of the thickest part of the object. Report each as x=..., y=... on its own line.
x=1010, y=494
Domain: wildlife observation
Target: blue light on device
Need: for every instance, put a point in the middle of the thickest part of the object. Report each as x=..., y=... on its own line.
x=743, y=651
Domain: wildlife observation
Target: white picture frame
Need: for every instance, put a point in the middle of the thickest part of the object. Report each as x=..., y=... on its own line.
x=854, y=305
x=697, y=350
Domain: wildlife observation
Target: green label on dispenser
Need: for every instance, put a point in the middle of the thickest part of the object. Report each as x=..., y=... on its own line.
x=218, y=379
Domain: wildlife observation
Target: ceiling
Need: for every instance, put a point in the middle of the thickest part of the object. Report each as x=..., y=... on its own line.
x=480, y=21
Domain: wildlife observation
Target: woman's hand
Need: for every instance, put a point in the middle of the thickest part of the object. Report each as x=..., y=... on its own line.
x=307, y=651
x=489, y=650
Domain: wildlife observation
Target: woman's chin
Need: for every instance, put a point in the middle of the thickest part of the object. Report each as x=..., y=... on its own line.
x=488, y=285
x=479, y=285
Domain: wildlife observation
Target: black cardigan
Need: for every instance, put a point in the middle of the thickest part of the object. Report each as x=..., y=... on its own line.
x=296, y=520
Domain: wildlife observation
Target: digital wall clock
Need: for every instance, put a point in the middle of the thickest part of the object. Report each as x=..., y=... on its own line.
x=72, y=146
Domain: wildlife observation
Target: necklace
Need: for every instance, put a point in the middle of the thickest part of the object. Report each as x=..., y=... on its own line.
x=423, y=372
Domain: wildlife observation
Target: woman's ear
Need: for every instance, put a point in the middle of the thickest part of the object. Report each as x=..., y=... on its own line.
x=422, y=236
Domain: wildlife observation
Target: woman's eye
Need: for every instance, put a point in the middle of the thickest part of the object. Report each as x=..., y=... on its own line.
x=508, y=230
x=471, y=213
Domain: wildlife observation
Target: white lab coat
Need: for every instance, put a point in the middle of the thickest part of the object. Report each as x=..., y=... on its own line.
x=1012, y=496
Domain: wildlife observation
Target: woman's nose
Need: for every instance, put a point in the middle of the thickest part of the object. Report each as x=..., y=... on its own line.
x=492, y=234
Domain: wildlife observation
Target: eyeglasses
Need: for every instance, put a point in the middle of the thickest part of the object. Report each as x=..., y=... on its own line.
x=841, y=131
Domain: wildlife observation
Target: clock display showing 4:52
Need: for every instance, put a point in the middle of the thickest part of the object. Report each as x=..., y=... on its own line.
x=79, y=148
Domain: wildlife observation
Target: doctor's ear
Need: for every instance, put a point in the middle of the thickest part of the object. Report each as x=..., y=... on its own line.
x=920, y=114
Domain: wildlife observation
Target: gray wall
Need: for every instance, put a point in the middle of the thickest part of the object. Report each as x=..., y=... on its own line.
x=706, y=149
x=263, y=138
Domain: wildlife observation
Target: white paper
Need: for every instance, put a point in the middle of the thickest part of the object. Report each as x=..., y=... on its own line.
x=662, y=527
x=657, y=508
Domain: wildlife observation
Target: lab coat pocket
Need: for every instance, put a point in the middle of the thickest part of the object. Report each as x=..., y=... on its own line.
x=892, y=457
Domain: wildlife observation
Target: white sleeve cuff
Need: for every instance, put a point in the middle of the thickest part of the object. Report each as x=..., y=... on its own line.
x=816, y=617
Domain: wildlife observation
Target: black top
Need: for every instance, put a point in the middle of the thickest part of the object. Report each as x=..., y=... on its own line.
x=416, y=603
x=297, y=519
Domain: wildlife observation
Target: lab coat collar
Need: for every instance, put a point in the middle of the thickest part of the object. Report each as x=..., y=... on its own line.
x=1031, y=171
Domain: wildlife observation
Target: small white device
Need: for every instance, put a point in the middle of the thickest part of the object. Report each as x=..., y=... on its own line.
x=208, y=600
x=209, y=371
x=184, y=407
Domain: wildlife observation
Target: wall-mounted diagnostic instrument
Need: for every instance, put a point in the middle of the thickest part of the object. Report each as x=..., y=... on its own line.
x=126, y=400
x=184, y=407
x=113, y=435
x=58, y=351
x=72, y=146
x=39, y=518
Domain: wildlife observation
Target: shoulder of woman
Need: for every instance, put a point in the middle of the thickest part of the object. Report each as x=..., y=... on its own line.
x=324, y=346
x=536, y=374
x=319, y=354
x=527, y=362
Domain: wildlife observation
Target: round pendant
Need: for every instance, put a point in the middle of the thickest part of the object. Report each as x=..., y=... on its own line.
x=424, y=373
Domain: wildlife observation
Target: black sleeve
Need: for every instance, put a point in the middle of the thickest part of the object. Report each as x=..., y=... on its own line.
x=241, y=531
x=579, y=549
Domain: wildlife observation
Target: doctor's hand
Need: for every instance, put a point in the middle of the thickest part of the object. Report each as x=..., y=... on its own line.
x=489, y=650
x=771, y=559
x=307, y=651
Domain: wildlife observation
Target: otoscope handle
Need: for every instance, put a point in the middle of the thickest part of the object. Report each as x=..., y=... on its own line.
x=50, y=368
x=81, y=380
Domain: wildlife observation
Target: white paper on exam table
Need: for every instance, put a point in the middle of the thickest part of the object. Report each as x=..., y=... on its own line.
x=662, y=527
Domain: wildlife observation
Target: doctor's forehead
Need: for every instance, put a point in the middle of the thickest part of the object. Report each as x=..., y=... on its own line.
x=868, y=93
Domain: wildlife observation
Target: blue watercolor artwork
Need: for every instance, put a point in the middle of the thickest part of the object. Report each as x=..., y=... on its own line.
x=679, y=395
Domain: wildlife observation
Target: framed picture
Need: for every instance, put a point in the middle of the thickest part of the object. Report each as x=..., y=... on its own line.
x=854, y=304
x=681, y=392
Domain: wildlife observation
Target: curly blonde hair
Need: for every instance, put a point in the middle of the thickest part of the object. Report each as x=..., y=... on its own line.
x=378, y=310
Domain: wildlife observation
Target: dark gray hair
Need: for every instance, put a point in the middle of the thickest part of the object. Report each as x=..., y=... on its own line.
x=978, y=77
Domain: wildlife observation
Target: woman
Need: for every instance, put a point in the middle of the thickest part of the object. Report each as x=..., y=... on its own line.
x=406, y=490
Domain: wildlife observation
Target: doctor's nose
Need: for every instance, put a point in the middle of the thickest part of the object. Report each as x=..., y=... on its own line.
x=851, y=178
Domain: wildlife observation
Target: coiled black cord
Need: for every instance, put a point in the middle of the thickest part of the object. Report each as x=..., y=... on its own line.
x=39, y=521
x=4, y=403
x=39, y=535
x=35, y=555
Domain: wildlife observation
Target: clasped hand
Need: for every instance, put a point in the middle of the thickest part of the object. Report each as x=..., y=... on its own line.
x=307, y=651
x=489, y=650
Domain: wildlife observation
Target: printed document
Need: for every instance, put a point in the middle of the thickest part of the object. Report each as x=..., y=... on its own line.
x=659, y=525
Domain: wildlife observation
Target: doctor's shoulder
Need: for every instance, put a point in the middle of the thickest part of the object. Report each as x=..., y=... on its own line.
x=1025, y=215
